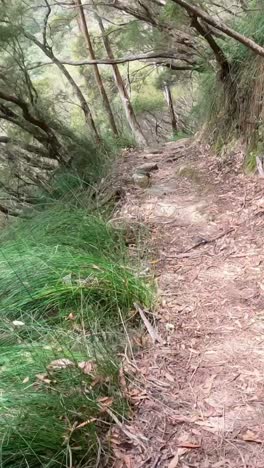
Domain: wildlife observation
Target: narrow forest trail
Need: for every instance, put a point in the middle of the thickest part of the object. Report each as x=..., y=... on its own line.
x=199, y=395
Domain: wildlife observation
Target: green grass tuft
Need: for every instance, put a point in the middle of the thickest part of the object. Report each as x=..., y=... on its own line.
x=66, y=292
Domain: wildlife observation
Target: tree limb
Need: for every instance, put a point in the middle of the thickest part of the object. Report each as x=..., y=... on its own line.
x=30, y=148
x=249, y=43
x=129, y=58
x=46, y=19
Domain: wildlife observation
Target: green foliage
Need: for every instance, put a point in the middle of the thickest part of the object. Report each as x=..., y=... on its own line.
x=250, y=161
x=65, y=243
x=173, y=12
x=250, y=25
x=66, y=292
x=180, y=136
x=51, y=417
x=206, y=92
x=149, y=102
x=133, y=36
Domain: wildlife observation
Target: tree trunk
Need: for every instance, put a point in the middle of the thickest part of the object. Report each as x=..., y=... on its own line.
x=84, y=104
x=98, y=78
x=129, y=111
x=218, y=52
x=168, y=96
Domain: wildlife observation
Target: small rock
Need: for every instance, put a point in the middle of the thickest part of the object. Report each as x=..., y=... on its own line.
x=169, y=327
x=146, y=168
x=141, y=180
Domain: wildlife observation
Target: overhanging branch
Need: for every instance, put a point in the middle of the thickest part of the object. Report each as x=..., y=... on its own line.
x=221, y=26
x=129, y=58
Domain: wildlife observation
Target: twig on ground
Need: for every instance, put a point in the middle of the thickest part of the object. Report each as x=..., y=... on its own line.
x=133, y=437
x=203, y=241
x=259, y=162
x=153, y=333
x=186, y=253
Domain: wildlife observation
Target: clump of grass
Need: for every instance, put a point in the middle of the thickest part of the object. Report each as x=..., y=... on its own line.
x=54, y=404
x=45, y=281
x=66, y=292
x=67, y=226
x=180, y=136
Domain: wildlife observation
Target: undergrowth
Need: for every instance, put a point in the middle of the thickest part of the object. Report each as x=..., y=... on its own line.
x=67, y=290
x=234, y=109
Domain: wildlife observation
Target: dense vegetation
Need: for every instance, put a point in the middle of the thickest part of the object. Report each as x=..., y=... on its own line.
x=65, y=307
x=79, y=82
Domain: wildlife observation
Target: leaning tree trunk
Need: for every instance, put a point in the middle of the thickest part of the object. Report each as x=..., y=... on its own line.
x=129, y=111
x=84, y=104
x=173, y=116
x=219, y=54
x=98, y=78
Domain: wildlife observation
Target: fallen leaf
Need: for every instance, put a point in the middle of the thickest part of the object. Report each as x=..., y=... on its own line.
x=174, y=462
x=26, y=380
x=189, y=445
x=169, y=377
x=154, y=262
x=71, y=316
x=219, y=464
x=60, y=364
x=18, y=323
x=217, y=424
x=250, y=436
x=86, y=366
x=43, y=378
x=105, y=402
x=207, y=386
x=123, y=460
x=138, y=395
x=85, y=423
x=99, y=380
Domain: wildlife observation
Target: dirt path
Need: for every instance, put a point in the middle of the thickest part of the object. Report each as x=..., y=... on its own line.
x=199, y=394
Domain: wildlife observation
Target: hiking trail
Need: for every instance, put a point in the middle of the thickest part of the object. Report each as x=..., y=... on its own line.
x=199, y=394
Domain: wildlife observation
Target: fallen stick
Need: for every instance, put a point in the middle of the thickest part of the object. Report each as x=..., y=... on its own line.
x=259, y=162
x=208, y=241
x=137, y=439
x=153, y=333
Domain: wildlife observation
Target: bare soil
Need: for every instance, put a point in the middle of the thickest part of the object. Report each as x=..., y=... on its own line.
x=199, y=393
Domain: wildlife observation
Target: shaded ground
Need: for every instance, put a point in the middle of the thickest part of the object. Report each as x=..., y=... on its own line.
x=199, y=394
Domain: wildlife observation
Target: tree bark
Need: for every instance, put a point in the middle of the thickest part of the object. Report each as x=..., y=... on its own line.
x=84, y=104
x=218, y=52
x=35, y=126
x=129, y=111
x=98, y=78
x=249, y=43
x=168, y=96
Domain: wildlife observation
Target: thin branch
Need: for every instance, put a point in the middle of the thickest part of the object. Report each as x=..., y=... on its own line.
x=45, y=25
x=128, y=58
